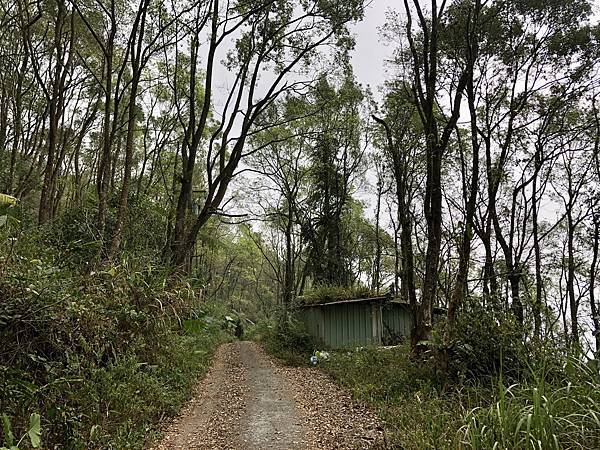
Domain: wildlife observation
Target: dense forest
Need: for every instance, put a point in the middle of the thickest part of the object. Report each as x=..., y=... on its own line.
x=173, y=171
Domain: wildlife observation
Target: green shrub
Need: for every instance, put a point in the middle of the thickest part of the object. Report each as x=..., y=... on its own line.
x=285, y=338
x=9, y=210
x=33, y=433
x=73, y=234
x=491, y=342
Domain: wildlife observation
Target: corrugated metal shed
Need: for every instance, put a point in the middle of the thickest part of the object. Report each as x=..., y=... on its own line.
x=357, y=322
x=397, y=322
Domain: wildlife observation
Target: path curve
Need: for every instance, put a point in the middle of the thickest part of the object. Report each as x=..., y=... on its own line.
x=248, y=401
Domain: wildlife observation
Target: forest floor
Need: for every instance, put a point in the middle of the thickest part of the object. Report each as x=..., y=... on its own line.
x=248, y=400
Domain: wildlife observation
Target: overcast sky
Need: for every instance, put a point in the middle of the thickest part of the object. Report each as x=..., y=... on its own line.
x=370, y=53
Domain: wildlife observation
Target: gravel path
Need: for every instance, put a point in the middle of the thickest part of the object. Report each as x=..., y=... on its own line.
x=248, y=401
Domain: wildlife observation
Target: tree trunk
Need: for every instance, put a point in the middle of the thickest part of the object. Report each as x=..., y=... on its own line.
x=64, y=57
x=425, y=64
x=375, y=280
x=407, y=289
x=288, y=277
x=537, y=303
x=461, y=285
x=514, y=279
x=593, y=270
x=103, y=172
x=136, y=48
x=4, y=107
x=124, y=196
x=573, y=302
x=433, y=216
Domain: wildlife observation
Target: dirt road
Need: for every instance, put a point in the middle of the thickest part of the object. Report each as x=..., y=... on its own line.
x=248, y=401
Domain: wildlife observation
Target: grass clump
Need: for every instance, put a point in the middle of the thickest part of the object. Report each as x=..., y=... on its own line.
x=324, y=293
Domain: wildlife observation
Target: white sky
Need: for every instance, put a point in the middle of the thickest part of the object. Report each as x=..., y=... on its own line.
x=370, y=53
x=368, y=61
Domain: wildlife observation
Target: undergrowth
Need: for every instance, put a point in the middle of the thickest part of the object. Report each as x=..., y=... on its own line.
x=547, y=402
x=284, y=338
x=102, y=352
x=539, y=414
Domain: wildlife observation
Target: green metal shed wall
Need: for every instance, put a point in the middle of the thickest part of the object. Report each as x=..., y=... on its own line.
x=396, y=322
x=357, y=324
x=348, y=324
x=342, y=325
x=313, y=321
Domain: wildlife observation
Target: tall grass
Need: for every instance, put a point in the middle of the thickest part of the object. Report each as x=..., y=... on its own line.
x=539, y=415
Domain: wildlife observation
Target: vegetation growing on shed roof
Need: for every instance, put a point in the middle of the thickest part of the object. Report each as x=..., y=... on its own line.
x=325, y=293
